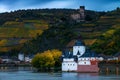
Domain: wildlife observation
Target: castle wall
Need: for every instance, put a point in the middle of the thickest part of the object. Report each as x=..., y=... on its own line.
x=69, y=65
x=87, y=68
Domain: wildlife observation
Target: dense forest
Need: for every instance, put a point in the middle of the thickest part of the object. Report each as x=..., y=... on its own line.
x=38, y=30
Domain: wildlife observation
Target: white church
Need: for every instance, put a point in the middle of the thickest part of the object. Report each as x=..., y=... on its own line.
x=80, y=59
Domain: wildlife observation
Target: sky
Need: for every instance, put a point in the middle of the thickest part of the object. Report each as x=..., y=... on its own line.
x=97, y=5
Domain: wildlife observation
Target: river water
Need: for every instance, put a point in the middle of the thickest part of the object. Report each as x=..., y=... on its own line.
x=29, y=75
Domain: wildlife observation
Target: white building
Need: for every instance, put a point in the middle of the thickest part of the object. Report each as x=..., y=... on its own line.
x=28, y=59
x=69, y=65
x=21, y=56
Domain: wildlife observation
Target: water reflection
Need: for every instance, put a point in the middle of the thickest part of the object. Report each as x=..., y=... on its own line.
x=89, y=76
x=30, y=75
x=80, y=76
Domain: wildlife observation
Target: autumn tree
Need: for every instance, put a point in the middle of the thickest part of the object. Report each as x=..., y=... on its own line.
x=49, y=58
x=56, y=55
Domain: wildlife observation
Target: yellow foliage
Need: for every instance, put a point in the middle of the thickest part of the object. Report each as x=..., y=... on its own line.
x=13, y=23
x=33, y=33
x=111, y=44
x=23, y=41
x=46, y=59
x=109, y=33
x=41, y=26
x=3, y=42
x=56, y=53
x=4, y=49
x=90, y=41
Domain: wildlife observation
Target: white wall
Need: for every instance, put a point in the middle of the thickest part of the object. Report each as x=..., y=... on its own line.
x=81, y=49
x=68, y=59
x=69, y=66
x=84, y=62
x=21, y=57
x=84, y=58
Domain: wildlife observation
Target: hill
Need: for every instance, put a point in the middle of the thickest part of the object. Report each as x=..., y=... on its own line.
x=38, y=30
x=20, y=26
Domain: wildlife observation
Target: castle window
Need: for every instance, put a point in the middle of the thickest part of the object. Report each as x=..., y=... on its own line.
x=84, y=62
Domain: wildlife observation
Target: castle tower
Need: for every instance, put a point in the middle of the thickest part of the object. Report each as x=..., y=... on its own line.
x=82, y=13
x=78, y=48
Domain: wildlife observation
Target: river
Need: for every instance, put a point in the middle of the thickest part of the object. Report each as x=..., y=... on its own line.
x=29, y=75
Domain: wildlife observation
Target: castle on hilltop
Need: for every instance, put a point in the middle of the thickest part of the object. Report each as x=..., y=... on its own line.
x=80, y=16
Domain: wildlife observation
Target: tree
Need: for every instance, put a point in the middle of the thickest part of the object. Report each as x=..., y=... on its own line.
x=49, y=58
x=56, y=54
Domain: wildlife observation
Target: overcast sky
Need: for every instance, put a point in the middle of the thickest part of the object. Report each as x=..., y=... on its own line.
x=97, y=5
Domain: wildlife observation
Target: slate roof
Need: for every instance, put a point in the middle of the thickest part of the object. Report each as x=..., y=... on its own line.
x=89, y=53
x=79, y=43
x=68, y=54
x=75, y=43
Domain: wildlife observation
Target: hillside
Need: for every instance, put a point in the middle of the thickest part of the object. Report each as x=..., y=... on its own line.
x=14, y=33
x=38, y=30
x=23, y=25
x=108, y=42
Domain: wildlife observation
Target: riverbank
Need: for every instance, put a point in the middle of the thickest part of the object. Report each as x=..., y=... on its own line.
x=109, y=67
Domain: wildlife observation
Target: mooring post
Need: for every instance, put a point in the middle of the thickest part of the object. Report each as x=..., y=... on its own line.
x=2, y=68
x=107, y=70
